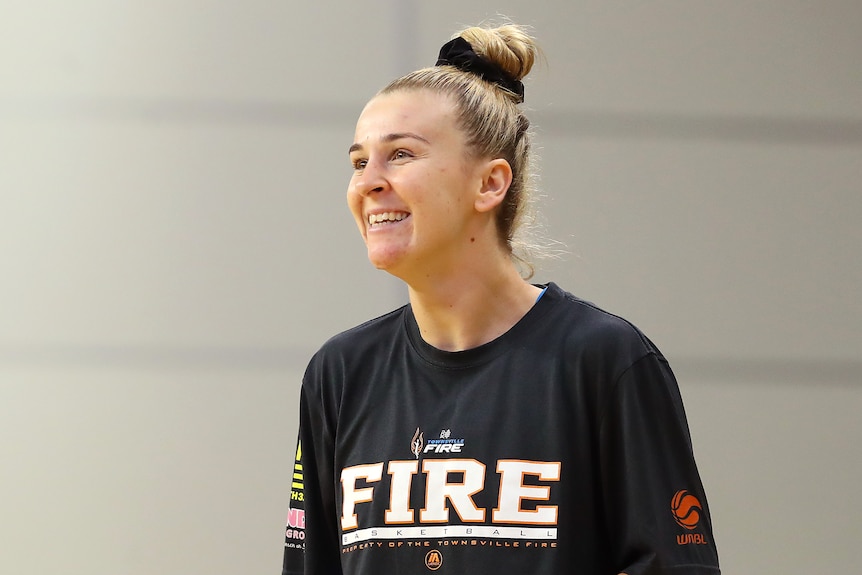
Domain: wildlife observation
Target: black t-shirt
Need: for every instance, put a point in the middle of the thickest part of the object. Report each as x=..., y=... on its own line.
x=560, y=447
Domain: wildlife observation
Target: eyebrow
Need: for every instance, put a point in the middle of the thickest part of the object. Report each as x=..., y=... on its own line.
x=391, y=138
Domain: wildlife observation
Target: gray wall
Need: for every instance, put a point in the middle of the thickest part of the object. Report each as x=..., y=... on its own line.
x=174, y=245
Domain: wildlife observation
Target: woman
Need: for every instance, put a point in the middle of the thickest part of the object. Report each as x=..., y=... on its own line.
x=491, y=425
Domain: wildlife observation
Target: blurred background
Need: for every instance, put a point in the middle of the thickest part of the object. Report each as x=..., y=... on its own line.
x=175, y=244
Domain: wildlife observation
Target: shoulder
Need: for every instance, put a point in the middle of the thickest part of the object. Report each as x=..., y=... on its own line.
x=592, y=332
x=584, y=320
x=363, y=341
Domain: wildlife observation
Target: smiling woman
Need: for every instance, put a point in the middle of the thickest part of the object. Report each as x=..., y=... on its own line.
x=412, y=163
x=492, y=424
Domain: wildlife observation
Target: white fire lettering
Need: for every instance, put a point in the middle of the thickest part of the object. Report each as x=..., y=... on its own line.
x=444, y=447
x=513, y=492
x=442, y=494
x=402, y=473
x=371, y=473
x=438, y=489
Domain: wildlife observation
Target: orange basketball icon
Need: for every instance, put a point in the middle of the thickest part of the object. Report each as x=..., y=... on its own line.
x=686, y=509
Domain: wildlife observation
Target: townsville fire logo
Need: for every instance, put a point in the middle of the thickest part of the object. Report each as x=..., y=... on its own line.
x=417, y=442
x=686, y=509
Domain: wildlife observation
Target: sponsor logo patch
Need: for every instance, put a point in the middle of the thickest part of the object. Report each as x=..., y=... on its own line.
x=296, y=485
x=687, y=511
x=433, y=560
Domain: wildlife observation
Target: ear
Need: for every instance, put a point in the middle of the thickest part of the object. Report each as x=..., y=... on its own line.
x=496, y=179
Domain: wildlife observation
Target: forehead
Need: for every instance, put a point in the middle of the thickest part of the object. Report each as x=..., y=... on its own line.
x=423, y=112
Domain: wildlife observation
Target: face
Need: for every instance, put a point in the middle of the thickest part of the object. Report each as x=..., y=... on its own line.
x=414, y=182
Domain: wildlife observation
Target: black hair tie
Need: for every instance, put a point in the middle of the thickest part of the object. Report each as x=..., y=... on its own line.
x=459, y=53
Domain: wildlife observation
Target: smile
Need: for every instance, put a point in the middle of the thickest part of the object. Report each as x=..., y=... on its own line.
x=386, y=218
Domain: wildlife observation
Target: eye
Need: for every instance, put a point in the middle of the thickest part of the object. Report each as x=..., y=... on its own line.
x=401, y=154
x=359, y=163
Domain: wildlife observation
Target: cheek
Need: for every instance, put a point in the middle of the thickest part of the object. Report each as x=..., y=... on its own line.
x=452, y=191
x=353, y=198
x=354, y=203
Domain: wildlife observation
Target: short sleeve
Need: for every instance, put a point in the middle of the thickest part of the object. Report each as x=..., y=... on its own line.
x=312, y=544
x=657, y=515
x=294, y=537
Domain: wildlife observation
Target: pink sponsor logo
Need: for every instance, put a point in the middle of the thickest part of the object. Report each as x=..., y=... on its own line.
x=296, y=519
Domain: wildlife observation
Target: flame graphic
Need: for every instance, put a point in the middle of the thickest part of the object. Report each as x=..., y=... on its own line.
x=417, y=442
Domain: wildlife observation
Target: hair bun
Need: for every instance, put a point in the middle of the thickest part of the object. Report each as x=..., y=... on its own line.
x=509, y=47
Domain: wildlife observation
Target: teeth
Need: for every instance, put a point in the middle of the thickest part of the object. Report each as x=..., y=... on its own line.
x=386, y=217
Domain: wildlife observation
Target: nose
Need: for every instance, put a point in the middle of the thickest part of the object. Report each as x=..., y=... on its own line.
x=371, y=179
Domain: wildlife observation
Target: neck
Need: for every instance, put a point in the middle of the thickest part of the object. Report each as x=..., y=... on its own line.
x=463, y=311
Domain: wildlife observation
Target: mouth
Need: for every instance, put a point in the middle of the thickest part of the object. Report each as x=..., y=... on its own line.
x=377, y=221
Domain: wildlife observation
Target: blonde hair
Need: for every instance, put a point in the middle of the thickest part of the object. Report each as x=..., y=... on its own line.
x=490, y=118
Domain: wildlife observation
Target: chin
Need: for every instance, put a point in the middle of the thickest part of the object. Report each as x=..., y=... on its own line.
x=384, y=260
